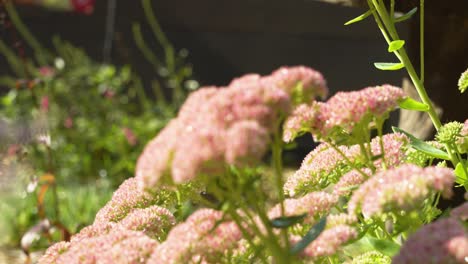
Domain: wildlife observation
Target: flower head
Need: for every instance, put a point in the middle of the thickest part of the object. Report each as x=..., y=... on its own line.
x=119, y=246
x=320, y=167
x=154, y=221
x=329, y=241
x=443, y=241
x=126, y=198
x=463, y=81
x=302, y=82
x=460, y=212
x=248, y=143
x=204, y=234
x=402, y=188
x=315, y=204
x=53, y=252
x=223, y=126
x=300, y=121
x=449, y=132
x=345, y=110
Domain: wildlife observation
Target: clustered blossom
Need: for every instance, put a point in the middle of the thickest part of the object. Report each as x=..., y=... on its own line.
x=204, y=235
x=318, y=167
x=315, y=204
x=54, y=252
x=154, y=221
x=347, y=109
x=126, y=198
x=210, y=126
x=443, y=241
x=312, y=83
x=122, y=233
x=326, y=165
x=344, y=111
x=329, y=241
x=300, y=121
x=350, y=181
x=449, y=132
x=460, y=212
x=394, y=147
x=402, y=188
x=120, y=246
x=463, y=81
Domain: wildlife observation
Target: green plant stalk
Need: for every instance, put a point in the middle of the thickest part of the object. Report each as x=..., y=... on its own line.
x=140, y=42
x=40, y=52
x=386, y=24
x=421, y=38
x=278, y=166
x=168, y=49
x=233, y=195
x=379, y=124
x=347, y=160
x=238, y=220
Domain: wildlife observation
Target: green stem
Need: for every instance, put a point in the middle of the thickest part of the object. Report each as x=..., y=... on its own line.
x=387, y=25
x=238, y=220
x=421, y=39
x=382, y=149
x=351, y=164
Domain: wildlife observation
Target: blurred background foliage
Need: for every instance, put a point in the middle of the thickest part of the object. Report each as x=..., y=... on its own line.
x=71, y=128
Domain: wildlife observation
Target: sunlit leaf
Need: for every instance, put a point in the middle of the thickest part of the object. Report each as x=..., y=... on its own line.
x=313, y=233
x=406, y=16
x=411, y=104
x=423, y=146
x=386, y=247
x=395, y=45
x=389, y=66
x=359, y=18
x=287, y=221
x=462, y=178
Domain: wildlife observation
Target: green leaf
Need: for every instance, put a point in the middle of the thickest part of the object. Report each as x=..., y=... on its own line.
x=386, y=247
x=411, y=104
x=284, y=222
x=313, y=233
x=359, y=18
x=423, y=146
x=395, y=45
x=406, y=16
x=462, y=178
x=389, y=66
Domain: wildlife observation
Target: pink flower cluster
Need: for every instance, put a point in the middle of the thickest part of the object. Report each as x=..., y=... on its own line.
x=315, y=204
x=349, y=181
x=343, y=111
x=328, y=242
x=402, y=188
x=460, y=212
x=229, y=125
x=123, y=231
x=325, y=165
x=120, y=246
x=204, y=236
x=125, y=199
x=443, y=241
